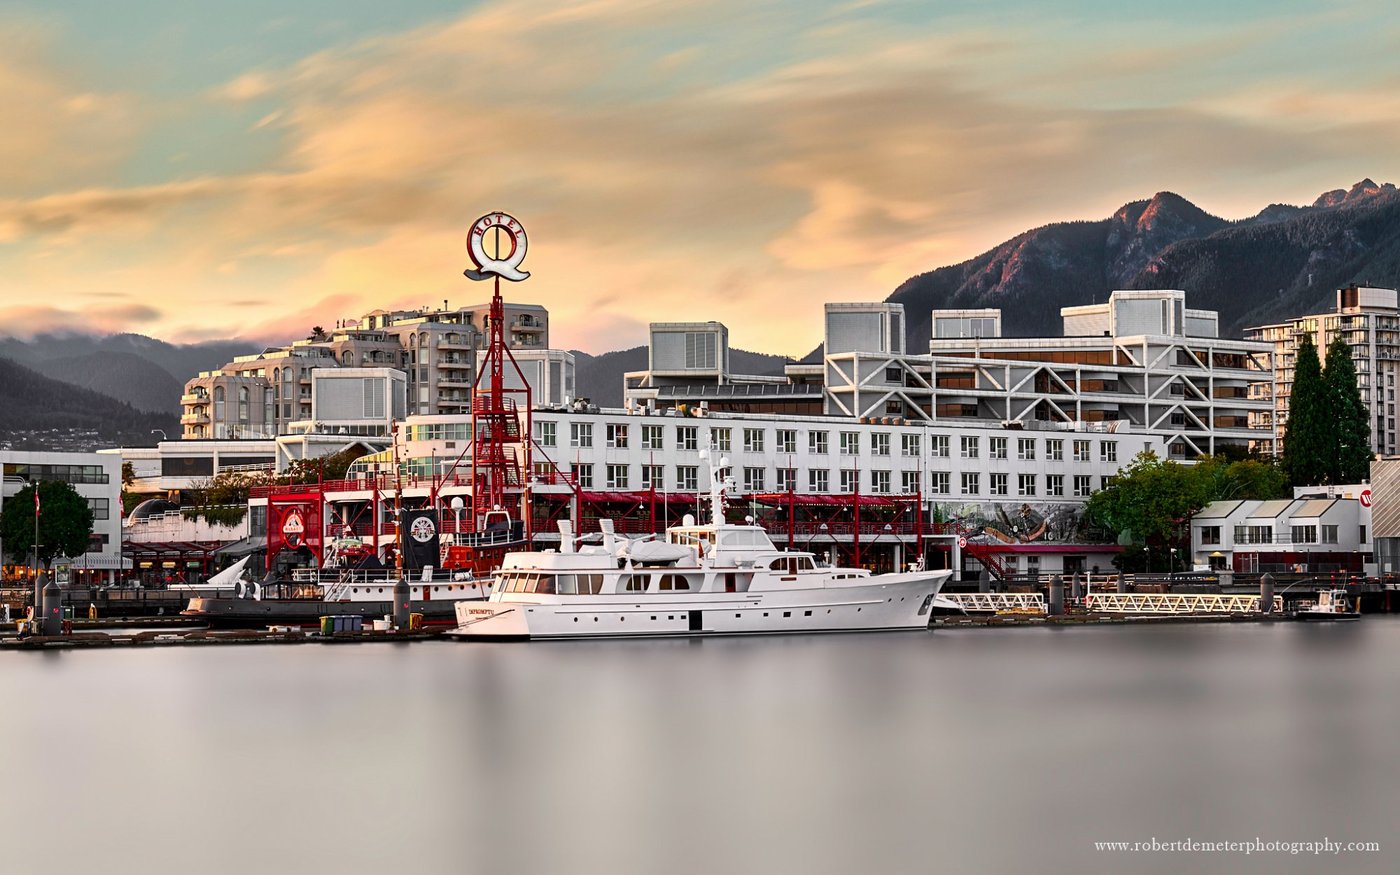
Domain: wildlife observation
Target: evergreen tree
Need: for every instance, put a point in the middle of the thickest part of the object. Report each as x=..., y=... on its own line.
x=1350, y=458
x=1306, y=444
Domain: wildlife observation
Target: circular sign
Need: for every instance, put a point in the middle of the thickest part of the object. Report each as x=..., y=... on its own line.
x=293, y=527
x=500, y=255
x=962, y=541
x=422, y=530
x=1365, y=498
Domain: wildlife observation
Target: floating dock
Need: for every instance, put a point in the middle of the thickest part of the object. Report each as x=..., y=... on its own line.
x=208, y=638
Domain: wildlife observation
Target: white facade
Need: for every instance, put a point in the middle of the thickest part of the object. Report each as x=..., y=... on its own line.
x=1291, y=534
x=614, y=451
x=97, y=477
x=355, y=401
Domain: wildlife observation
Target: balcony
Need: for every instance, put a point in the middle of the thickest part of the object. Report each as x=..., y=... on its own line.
x=526, y=325
x=194, y=398
x=456, y=341
x=195, y=419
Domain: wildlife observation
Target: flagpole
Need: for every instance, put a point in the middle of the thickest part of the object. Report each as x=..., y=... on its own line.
x=38, y=584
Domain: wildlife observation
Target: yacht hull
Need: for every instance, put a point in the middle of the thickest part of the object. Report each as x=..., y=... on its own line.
x=895, y=602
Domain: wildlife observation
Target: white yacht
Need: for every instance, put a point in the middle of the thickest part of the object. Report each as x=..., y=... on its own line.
x=715, y=579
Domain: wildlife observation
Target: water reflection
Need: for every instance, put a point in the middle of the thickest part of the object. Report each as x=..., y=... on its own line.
x=963, y=750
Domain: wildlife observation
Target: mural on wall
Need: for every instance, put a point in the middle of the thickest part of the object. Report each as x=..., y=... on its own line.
x=1018, y=522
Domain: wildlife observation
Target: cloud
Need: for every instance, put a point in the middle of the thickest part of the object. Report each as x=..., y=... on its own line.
x=32, y=319
x=671, y=161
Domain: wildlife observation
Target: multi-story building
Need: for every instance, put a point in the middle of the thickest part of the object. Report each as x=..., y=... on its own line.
x=1141, y=361
x=1368, y=320
x=262, y=395
x=97, y=477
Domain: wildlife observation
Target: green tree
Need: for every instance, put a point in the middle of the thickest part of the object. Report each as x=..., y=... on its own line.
x=1150, y=502
x=1349, y=457
x=65, y=522
x=1307, y=442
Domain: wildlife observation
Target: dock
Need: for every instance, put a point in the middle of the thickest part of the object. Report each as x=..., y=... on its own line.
x=209, y=638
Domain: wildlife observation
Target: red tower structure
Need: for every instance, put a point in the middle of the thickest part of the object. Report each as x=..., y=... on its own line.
x=501, y=461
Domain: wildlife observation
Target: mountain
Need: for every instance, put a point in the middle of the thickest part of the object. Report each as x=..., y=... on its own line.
x=1284, y=261
x=146, y=373
x=599, y=378
x=42, y=413
x=125, y=376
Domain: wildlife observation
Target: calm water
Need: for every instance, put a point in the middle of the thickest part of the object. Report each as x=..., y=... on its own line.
x=972, y=750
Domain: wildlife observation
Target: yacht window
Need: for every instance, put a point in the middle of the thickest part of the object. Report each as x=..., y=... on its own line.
x=804, y=563
x=634, y=583
x=564, y=584
x=590, y=584
x=674, y=582
x=544, y=584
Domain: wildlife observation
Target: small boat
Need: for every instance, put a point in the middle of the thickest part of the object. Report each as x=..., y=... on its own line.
x=1332, y=605
x=716, y=579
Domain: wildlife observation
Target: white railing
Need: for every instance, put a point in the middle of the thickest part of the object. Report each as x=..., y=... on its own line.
x=997, y=601
x=1166, y=603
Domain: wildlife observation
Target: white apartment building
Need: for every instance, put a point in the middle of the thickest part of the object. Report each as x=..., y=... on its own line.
x=97, y=477
x=261, y=395
x=1368, y=319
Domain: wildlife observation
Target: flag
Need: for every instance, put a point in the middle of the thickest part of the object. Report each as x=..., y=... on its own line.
x=36, y=500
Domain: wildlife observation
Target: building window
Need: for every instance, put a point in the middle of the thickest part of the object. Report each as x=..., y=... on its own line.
x=787, y=479
x=102, y=508
x=549, y=434
x=850, y=443
x=850, y=480
x=909, y=482
x=909, y=444
x=894, y=374
x=617, y=476
x=787, y=440
x=997, y=482
x=753, y=440
x=1081, y=486
x=880, y=444
x=617, y=435
x=580, y=434
x=651, y=437
x=1304, y=534
x=969, y=483
x=1108, y=451
x=1210, y=534
x=687, y=437
x=1055, y=485
x=1025, y=449
x=880, y=482
x=1055, y=450
x=243, y=404
x=753, y=479
x=1025, y=484
x=938, y=445
x=969, y=446
x=1081, y=451
x=687, y=478
x=938, y=482
x=721, y=438
x=817, y=442
x=653, y=477
x=818, y=480
x=996, y=447
x=584, y=475
x=219, y=403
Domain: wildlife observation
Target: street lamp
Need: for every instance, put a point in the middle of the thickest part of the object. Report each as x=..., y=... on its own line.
x=457, y=505
x=161, y=432
x=824, y=529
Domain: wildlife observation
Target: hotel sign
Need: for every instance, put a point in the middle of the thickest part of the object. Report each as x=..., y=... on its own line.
x=496, y=244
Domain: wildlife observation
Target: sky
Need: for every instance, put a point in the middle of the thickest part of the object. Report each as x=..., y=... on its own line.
x=199, y=170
